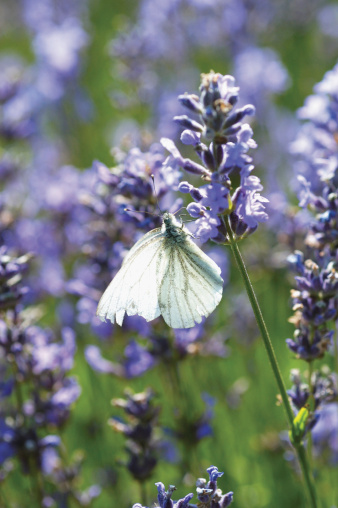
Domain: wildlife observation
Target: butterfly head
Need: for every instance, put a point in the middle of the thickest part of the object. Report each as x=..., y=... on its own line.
x=172, y=228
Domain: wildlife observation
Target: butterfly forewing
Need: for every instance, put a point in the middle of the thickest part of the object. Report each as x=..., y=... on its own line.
x=134, y=288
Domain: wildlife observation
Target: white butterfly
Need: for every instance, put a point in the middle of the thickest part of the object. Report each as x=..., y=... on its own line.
x=164, y=273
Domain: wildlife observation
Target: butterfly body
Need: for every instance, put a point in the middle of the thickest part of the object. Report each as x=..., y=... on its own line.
x=164, y=273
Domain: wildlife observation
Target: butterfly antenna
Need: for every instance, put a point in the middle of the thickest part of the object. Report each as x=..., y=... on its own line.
x=182, y=208
x=155, y=193
x=136, y=211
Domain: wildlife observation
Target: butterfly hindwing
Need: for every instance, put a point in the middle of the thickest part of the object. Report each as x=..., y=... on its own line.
x=191, y=285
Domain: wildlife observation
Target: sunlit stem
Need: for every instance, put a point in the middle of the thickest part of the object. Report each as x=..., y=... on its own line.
x=312, y=404
x=272, y=357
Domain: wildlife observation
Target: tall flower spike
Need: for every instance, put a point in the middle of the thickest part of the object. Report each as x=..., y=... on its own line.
x=36, y=393
x=220, y=123
x=314, y=298
x=142, y=446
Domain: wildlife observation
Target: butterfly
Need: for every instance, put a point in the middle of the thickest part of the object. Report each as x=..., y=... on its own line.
x=164, y=273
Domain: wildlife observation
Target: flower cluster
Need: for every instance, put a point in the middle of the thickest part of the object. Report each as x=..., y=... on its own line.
x=315, y=304
x=35, y=389
x=230, y=139
x=142, y=445
x=323, y=390
x=316, y=150
x=37, y=211
x=314, y=299
x=208, y=494
x=58, y=37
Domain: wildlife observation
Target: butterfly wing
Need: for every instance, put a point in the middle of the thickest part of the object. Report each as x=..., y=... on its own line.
x=134, y=288
x=191, y=285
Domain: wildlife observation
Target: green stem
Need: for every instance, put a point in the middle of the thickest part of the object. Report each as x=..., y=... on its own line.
x=4, y=500
x=312, y=404
x=335, y=341
x=272, y=357
x=143, y=493
x=183, y=421
x=304, y=464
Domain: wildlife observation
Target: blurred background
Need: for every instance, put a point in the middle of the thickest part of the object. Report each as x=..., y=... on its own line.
x=82, y=81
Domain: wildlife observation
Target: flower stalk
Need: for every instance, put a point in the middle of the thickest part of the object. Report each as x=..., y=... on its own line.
x=299, y=447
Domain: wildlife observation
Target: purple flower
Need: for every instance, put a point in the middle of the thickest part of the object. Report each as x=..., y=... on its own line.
x=235, y=154
x=215, y=197
x=187, y=164
x=207, y=227
x=66, y=395
x=305, y=195
x=310, y=347
x=185, y=338
x=250, y=207
x=138, y=360
x=11, y=271
x=97, y=362
x=164, y=497
x=7, y=436
x=48, y=355
x=220, y=123
x=57, y=46
x=314, y=299
x=260, y=70
x=328, y=18
x=50, y=458
x=209, y=493
x=324, y=433
x=142, y=446
x=204, y=425
x=315, y=144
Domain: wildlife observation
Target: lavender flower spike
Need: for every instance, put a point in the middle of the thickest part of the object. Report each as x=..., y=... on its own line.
x=221, y=124
x=314, y=298
x=209, y=496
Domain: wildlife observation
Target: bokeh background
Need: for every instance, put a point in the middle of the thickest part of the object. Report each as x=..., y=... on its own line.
x=79, y=78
